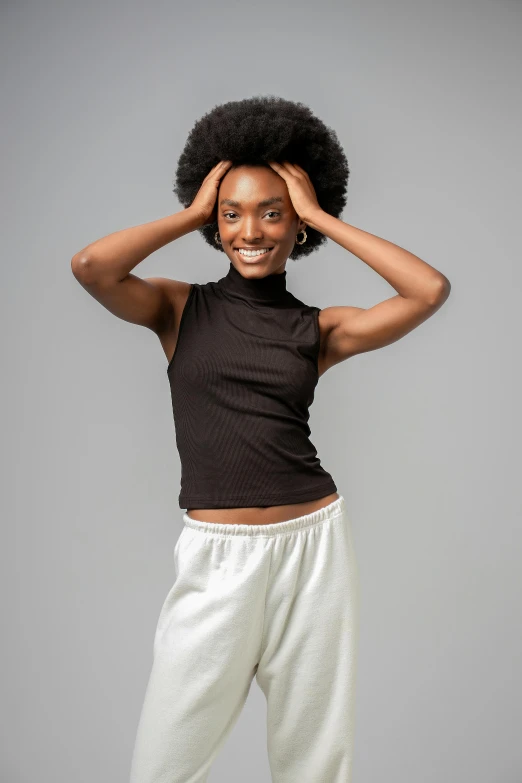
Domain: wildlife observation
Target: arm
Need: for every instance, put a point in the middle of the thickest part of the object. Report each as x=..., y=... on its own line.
x=422, y=290
x=104, y=267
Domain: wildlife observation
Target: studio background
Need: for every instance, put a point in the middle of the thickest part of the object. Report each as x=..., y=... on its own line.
x=422, y=437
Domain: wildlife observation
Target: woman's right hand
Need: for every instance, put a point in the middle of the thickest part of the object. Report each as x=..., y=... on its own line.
x=204, y=203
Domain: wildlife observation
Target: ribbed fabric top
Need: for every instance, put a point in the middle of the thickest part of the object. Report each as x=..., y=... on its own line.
x=242, y=379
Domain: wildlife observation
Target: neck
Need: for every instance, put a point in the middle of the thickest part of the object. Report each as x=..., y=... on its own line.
x=269, y=289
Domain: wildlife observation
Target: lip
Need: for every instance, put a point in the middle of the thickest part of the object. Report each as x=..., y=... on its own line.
x=252, y=259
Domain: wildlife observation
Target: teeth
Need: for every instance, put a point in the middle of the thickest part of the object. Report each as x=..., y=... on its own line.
x=254, y=252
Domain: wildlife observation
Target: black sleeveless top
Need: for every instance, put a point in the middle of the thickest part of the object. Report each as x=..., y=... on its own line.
x=242, y=379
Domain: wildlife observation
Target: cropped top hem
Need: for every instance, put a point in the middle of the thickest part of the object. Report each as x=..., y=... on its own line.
x=246, y=501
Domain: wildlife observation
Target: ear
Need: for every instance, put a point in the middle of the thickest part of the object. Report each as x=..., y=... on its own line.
x=301, y=226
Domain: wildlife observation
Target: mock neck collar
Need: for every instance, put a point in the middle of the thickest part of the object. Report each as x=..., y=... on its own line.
x=269, y=289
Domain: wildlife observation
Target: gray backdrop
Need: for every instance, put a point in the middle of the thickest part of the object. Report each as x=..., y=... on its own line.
x=423, y=436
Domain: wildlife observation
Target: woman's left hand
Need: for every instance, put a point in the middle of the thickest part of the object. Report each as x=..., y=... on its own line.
x=300, y=189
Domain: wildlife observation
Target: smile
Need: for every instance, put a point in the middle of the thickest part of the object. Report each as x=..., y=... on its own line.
x=252, y=255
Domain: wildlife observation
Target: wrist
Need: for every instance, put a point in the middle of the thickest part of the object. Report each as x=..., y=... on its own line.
x=196, y=218
x=314, y=219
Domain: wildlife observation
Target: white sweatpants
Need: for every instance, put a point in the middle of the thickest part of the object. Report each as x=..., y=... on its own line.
x=279, y=602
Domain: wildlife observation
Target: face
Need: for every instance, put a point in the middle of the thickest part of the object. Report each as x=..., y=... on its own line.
x=254, y=210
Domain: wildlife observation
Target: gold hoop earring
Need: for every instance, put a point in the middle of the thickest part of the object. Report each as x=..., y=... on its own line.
x=217, y=238
x=304, y=238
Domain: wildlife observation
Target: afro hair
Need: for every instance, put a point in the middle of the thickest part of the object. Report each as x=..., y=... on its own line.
x=254, y=131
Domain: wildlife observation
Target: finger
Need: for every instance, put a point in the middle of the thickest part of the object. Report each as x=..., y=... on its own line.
x=289, y=167
x=295, y=170
x=215, y=169
x=303, y=171
x=278, y=168
x=306, y=177
x=286, y=168
x=304, y=174
x=222, y=167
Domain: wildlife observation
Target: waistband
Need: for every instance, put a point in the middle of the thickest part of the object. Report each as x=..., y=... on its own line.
x=334, y=509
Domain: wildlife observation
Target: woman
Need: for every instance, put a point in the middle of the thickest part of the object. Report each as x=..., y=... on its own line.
x=266, y=575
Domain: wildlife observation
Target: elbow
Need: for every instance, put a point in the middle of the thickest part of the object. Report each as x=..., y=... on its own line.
x=82, y=268
x=441, y=291
x=445, y=286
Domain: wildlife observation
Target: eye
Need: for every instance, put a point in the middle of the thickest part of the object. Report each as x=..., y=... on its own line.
x=272, y=212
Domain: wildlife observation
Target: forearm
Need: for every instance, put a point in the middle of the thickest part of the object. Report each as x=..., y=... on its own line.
x=409, y=275
x=116, y=255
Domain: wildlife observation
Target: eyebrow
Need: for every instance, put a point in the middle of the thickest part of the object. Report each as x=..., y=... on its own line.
x=267, y=202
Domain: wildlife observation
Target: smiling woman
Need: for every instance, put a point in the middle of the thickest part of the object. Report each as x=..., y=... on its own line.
x=266, y=552
x=266, y=575
x=253, y=132
x=256, y=233
x=250, y=335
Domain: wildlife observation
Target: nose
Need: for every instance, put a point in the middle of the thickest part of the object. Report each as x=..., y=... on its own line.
x=251, y=230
